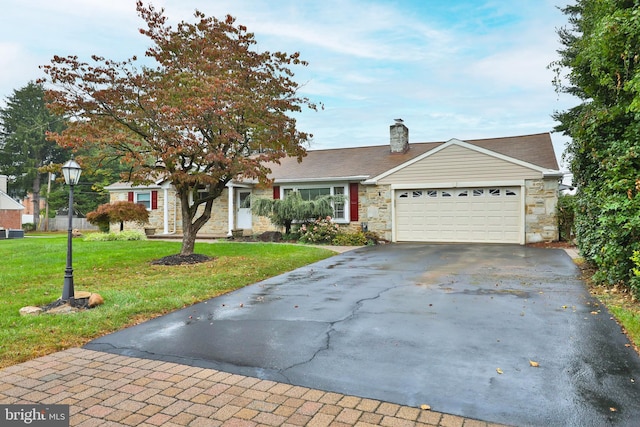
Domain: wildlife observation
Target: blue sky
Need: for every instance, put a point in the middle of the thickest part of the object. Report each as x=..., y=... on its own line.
x=451, y=69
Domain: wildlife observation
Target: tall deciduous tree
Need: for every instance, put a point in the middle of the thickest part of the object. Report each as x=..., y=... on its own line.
x=24, y=148
x=210, y=109
x=600, y=64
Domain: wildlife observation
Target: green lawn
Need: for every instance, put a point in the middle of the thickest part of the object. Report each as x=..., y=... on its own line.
x=32, y=273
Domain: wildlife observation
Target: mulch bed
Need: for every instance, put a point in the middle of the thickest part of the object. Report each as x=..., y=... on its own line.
x=559, y=245
x=79, y=303
x=182, y=259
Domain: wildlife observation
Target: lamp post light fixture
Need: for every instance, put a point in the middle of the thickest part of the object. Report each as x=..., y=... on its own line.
x=71, y=171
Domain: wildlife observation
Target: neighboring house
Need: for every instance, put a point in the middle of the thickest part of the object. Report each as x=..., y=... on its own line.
x=498, y=190
x=28, y=203
x=10, y=209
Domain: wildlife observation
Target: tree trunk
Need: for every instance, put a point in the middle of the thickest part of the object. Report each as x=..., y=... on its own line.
x=36, y=202
x=188, y=240
x=190, y=224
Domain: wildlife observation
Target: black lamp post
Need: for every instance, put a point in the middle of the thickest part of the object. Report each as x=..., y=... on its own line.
x=71, y=171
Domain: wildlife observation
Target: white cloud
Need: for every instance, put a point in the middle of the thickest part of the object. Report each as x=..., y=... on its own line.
x=459, y=68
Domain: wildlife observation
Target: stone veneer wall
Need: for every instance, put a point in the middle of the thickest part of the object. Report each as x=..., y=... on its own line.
x=260, y=224
x=375, y=209
x=217, y=225
x=541, y=198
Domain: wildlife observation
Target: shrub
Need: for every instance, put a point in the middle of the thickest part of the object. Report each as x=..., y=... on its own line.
x=119, y=211
x=566, y=216
x=350, y=239
x=122, y=235
x=285, y=212
x=29, y=226
x=294, y=236
x=321, y=230
x=634, y=283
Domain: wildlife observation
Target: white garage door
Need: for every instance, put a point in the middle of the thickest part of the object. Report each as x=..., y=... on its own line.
x=491, y=215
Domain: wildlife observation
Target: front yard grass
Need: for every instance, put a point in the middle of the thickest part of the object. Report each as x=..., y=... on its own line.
x=624, y=308
x=32, y=273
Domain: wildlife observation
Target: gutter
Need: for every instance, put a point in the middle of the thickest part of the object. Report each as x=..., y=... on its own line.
x=323, y=179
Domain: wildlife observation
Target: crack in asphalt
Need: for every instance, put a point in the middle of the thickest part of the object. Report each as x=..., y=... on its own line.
x=356, y=307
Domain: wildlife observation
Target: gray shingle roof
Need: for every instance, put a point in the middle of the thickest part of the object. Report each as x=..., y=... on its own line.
x=371, y=161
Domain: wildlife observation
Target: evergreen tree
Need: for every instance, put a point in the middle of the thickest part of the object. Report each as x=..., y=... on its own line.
x=24, y=148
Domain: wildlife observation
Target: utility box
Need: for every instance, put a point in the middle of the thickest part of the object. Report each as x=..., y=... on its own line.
x=16, y=234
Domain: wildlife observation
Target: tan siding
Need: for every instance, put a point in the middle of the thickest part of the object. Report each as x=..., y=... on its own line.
x=455, y=163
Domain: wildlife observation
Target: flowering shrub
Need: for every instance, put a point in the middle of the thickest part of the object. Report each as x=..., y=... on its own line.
x=322, y=230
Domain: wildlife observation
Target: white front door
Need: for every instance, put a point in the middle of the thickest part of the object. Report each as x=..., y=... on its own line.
x=244, y=212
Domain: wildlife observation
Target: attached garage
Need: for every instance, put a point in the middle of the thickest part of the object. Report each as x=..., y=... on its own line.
x=481, y=192
x=482, y=214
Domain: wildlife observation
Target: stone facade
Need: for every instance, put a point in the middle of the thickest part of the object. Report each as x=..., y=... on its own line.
x=217, y=225
x=374, y=211
x=260, y=224
x=541, y=198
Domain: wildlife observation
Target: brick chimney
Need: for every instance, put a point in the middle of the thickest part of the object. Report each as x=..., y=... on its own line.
x=3, y=183
x=399, y=137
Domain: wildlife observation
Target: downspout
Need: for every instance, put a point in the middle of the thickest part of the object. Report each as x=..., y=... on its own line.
x=175, y=213
x=166, y=211
x=230, y=208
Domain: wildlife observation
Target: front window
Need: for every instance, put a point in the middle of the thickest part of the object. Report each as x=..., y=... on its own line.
x=338, y=206
x=311, y=193
x=143, y=198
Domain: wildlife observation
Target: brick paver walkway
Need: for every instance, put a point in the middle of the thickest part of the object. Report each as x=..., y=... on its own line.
x=104, y=389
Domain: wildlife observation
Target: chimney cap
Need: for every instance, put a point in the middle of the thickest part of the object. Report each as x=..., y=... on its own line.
x=398, y=121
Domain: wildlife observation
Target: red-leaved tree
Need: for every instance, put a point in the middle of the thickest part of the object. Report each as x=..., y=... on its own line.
x=119, y=211
x=209, y=109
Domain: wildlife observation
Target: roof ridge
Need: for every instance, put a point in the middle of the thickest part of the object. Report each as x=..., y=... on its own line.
x=507, y=137
x=431, y=142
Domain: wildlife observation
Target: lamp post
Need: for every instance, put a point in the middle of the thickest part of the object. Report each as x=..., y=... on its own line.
x=71, y=171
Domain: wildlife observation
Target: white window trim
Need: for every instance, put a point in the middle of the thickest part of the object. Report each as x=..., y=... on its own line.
x=331, y=186
x=135, y=198
x=200, y=190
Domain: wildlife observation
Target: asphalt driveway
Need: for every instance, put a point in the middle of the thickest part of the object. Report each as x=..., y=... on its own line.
x=452, y=326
